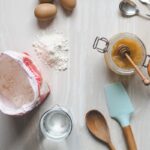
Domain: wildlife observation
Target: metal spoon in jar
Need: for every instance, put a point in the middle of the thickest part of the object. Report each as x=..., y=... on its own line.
x=146, y=2
x=128, y=9
x=98, y=127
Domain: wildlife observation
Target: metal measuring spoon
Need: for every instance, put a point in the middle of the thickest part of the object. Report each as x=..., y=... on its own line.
x=128, y=9
x=98, y=127
x=146, y=2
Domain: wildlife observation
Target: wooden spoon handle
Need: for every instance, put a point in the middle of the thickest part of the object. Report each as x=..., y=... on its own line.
x=129, y=138
x=145, y=80
x=111, y=146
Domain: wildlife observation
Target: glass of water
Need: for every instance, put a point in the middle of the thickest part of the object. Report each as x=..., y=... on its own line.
x=56, y=123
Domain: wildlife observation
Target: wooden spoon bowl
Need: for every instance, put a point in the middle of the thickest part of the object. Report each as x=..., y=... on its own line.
x=98, y=127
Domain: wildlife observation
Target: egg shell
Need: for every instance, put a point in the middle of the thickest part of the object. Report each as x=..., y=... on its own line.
x=68, y=4
x=45, y=11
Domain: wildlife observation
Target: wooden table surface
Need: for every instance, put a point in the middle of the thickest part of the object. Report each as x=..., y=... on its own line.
x=81, y=87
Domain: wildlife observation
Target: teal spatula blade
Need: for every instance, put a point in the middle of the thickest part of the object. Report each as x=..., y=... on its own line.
x=120, y=108
x=119, y=103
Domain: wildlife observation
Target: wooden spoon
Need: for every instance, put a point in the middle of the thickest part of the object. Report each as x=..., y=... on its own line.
x=98, y=127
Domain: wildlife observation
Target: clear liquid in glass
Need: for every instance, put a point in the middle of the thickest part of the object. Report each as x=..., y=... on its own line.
x=56, y=124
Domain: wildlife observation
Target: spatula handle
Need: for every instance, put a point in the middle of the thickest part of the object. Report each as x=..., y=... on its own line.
x=129, y=138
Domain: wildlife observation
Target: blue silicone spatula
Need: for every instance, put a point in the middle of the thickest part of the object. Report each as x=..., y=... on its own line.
x=121, y=109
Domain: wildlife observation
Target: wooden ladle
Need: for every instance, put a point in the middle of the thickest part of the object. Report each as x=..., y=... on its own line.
x=98, y=127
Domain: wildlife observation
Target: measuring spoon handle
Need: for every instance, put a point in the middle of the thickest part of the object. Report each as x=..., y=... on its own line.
x=146, y=16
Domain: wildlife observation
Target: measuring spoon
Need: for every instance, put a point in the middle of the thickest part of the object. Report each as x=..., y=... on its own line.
x=146, y=2
x=128, y=9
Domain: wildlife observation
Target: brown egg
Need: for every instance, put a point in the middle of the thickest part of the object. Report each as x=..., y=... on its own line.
x=68, y=4
x=45, y=11
x=46, y=1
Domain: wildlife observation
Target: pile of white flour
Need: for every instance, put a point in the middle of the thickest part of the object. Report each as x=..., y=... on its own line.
x=53, y=49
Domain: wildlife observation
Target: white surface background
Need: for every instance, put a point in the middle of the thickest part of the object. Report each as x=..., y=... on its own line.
x=81, y=87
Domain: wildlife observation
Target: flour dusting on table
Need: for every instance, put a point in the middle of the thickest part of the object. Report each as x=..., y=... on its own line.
x=53, y=50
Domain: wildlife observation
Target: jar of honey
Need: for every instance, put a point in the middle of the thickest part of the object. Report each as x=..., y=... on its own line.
x=114, y=60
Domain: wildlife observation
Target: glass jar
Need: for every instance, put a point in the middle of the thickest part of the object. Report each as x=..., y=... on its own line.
x=107, y=50
x=56, y=123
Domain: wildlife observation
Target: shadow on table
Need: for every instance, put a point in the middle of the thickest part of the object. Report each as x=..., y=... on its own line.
x=21, y=123
x=70, y=143
x=19, y=129
x=44, y=24
x=113, y=77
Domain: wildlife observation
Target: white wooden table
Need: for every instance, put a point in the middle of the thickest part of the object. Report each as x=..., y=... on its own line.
x=80, y=88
